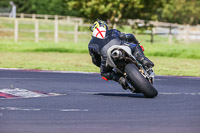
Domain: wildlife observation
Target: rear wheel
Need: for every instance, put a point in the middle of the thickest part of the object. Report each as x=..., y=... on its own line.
x=139, y=82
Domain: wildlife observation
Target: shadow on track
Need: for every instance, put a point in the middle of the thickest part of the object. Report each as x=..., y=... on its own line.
x=132, y=95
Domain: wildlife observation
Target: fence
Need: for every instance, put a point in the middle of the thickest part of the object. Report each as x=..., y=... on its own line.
x=66, y=28
x=61, y=30
x=184, y=33
x=45, y=17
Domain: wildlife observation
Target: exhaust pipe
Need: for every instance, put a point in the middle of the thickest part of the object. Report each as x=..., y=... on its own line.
x=116, y=54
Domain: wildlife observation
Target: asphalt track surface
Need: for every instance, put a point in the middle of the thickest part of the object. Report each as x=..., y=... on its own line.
x=89, y=104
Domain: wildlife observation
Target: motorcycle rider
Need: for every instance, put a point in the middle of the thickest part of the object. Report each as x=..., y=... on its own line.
x=102, y=39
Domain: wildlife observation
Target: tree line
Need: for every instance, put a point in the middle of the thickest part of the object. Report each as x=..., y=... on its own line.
x=114, y=11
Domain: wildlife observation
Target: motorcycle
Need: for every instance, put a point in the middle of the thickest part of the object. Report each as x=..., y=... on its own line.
x=138, y=78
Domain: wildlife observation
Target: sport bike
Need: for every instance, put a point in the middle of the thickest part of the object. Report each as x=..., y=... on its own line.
x=139, y=79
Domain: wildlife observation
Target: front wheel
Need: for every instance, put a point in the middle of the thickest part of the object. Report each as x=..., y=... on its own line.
x=139, y=82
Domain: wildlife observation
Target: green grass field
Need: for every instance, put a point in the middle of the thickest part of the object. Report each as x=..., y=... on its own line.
x=176, y=59
x=177, y=50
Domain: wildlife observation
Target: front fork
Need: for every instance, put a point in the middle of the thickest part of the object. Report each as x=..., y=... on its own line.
x=148, y=73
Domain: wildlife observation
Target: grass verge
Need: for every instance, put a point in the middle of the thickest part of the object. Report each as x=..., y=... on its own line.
x=82, y=62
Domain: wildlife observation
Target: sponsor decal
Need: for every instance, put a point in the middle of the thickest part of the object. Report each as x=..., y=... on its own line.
x=99, y=32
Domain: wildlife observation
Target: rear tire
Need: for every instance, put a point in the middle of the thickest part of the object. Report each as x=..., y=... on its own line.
x=139, y=82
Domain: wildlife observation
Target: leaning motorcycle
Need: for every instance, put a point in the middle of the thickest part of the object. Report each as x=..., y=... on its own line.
x=138, y=78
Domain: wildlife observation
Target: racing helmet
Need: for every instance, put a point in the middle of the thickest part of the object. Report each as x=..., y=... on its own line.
x=99, y=29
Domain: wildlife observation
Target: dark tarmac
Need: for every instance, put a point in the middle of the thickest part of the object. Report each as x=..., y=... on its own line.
x=88, y=104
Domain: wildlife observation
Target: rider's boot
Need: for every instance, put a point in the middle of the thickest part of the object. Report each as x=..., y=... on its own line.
x=138, y=53
x=121, y=80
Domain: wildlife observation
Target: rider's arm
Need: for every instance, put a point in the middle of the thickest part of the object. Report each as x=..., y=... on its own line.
x=128, y=37
x=96, y=58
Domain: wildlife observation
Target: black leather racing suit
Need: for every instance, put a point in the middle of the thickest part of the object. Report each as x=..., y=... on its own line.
x=98, y=49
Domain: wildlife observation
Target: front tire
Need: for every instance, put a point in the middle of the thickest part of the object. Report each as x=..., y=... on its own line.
x=139, y=82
